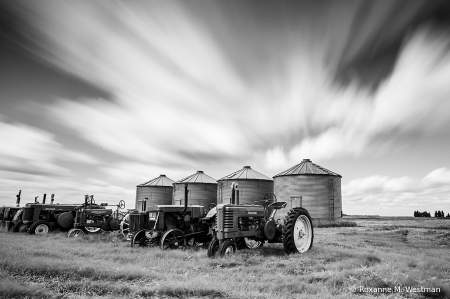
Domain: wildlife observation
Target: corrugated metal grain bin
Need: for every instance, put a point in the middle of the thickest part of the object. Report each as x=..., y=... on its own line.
x=252, y=186
x=313, y=187
x=202, y=190
x=158, y=191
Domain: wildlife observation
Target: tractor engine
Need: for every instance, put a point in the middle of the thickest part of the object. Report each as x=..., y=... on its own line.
x=236, y=221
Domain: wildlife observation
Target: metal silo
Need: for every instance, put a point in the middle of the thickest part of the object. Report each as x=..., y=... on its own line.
x=252, y=186
x=313, y=187
x=202, y=190
x=158, y=191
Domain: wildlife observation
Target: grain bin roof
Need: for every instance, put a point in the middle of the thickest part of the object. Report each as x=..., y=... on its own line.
x=198, y=177
x=246, y=173
x=307, y=167
x=162, y=181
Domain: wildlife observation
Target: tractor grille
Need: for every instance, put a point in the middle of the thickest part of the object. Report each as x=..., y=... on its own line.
x=228, y=219
x=28, y=214
x=138, y=222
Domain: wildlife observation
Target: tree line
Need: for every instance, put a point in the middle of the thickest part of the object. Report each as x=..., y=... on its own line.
x=437, y=214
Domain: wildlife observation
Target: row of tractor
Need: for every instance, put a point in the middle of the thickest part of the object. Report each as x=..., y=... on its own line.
x=75, y=219
x=223, y=229
x=220, y=229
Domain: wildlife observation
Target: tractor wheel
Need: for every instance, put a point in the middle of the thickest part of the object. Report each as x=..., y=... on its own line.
x=247, y=243
x=213, y=248
x=173, y=239
x=20, y=227
x=125, y=225
x=75, y=233
x=143, y=239
x=40, y=227
x=228, y=247
x=298, y=232
x=91, y=229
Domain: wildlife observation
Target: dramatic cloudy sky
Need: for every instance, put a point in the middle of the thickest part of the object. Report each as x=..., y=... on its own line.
x=99, y=96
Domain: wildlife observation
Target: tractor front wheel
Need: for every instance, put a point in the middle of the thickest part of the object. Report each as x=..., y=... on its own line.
x=143, y=238
x=298, y=232
x=75, y=233
x=228, y=247
x=20, y=227
x=213, y=248
x=41, y=227
x=247, y=243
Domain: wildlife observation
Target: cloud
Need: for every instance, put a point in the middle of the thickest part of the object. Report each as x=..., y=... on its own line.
x=351, y=122
x=27, y=149
x=376, y=194
x=178, y=96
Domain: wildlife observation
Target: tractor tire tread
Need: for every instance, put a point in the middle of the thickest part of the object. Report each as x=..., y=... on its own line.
x=288, y=229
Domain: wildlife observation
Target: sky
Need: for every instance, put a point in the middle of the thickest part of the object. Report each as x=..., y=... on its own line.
x=97, y=97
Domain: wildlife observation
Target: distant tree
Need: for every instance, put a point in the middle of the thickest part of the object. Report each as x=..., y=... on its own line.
x=448, y=215
x=435, y=214
x=442, y=214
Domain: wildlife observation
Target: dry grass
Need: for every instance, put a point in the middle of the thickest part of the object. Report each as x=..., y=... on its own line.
x=375, y=254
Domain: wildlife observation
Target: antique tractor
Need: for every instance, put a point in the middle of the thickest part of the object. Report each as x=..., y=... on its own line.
x=170, y=226
x=92, y=218
x=236, y=222
x=40, y=218
x=8, y=214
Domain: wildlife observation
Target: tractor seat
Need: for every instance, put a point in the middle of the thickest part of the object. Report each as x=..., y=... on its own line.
x=277, y=205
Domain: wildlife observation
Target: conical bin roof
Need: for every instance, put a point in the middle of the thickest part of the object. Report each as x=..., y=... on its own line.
x=306, y=167
x=161, y=181
x=246, y=173
x=197, y=178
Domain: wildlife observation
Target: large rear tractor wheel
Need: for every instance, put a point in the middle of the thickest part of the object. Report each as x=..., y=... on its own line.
x=75, y=233
x=213, y=248
x=298, y=232
x=20, y=227
x=228, y=247
x=40, y=227
x=173, y=239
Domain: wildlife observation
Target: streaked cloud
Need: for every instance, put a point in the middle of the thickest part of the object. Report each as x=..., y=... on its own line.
x=378, y=194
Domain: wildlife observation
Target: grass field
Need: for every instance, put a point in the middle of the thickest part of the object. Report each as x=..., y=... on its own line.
x=345, y=262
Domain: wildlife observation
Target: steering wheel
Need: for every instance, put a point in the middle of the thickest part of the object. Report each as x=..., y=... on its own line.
x=121, y=204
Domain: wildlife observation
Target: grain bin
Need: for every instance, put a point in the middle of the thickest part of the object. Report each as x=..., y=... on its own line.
x=252, y=186
x=158, y=191
x=313, y=187
x=202, y=190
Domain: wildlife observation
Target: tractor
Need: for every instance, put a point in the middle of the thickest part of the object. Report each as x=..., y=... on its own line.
x=256, y=224
x=40, y=218
x=92, y=218
x=8, y=214
x=170, y=226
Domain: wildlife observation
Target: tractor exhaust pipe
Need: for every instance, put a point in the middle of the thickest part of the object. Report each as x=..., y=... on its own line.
x=86, y=200
x=35, y=199
x=237, y=197
x=43, y=200
x=52, y=198
x=186, y=192
x=233, y=193
x=18, y=198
